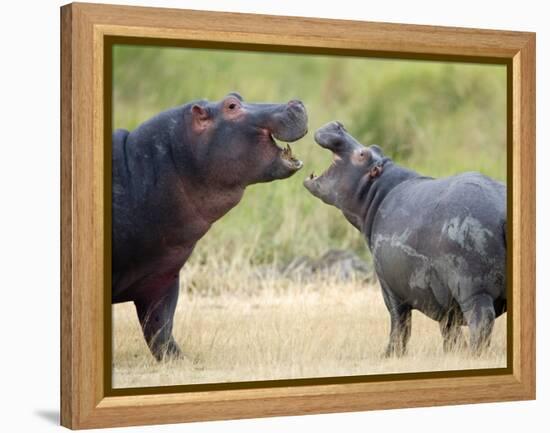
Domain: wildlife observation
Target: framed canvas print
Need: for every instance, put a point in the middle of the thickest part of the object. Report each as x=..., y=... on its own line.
x=264, y=215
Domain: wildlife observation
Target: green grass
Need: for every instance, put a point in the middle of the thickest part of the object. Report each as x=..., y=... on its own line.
x=437, y=118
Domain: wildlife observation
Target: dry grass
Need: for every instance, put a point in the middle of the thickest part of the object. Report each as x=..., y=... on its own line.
x=273, y=327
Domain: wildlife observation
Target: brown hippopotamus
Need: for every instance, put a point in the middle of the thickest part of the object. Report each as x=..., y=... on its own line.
x=438, y=245
x=172, y=178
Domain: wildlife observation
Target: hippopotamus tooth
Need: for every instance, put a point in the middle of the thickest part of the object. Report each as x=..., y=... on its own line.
x=287, y=152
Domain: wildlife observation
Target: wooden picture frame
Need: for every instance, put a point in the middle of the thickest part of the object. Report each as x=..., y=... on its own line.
x=86, y=32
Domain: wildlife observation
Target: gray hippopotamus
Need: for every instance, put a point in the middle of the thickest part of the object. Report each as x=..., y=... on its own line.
x=173, y=177
x=438, y=245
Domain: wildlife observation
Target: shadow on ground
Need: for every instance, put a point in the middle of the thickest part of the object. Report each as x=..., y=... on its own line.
x=50, y=415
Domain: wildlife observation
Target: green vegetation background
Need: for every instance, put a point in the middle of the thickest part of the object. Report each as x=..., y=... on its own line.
x=437, y=118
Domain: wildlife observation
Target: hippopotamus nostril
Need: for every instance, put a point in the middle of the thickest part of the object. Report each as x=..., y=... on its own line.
x=296, y=107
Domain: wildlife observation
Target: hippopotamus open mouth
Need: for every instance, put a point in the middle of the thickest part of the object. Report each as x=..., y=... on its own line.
x=285, y=153
x=287, y=123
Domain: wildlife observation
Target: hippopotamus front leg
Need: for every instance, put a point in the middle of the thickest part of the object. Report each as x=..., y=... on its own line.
x=479, y=312
x=450, y=326
x=400, y=316
x=156, y=316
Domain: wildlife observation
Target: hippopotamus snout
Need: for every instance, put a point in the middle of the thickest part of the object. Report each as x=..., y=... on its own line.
x=289, y=122
x=330, y=135
x=333, y=136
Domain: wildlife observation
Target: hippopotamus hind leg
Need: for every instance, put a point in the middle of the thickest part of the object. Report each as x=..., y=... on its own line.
x=400, y=331
x=450, y=326
x=156, y=317
x=480, y=316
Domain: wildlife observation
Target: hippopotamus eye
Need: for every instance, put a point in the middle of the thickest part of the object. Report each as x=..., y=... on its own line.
x=232, y=104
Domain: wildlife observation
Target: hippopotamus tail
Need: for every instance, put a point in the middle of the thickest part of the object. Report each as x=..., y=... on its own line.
x=504, y=231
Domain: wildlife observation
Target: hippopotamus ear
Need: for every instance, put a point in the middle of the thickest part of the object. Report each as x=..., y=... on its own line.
x=236, y=95
x=200, y=118
x=377, y=149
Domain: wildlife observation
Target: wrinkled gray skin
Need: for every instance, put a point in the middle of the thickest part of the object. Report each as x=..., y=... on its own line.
x=439, y=245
